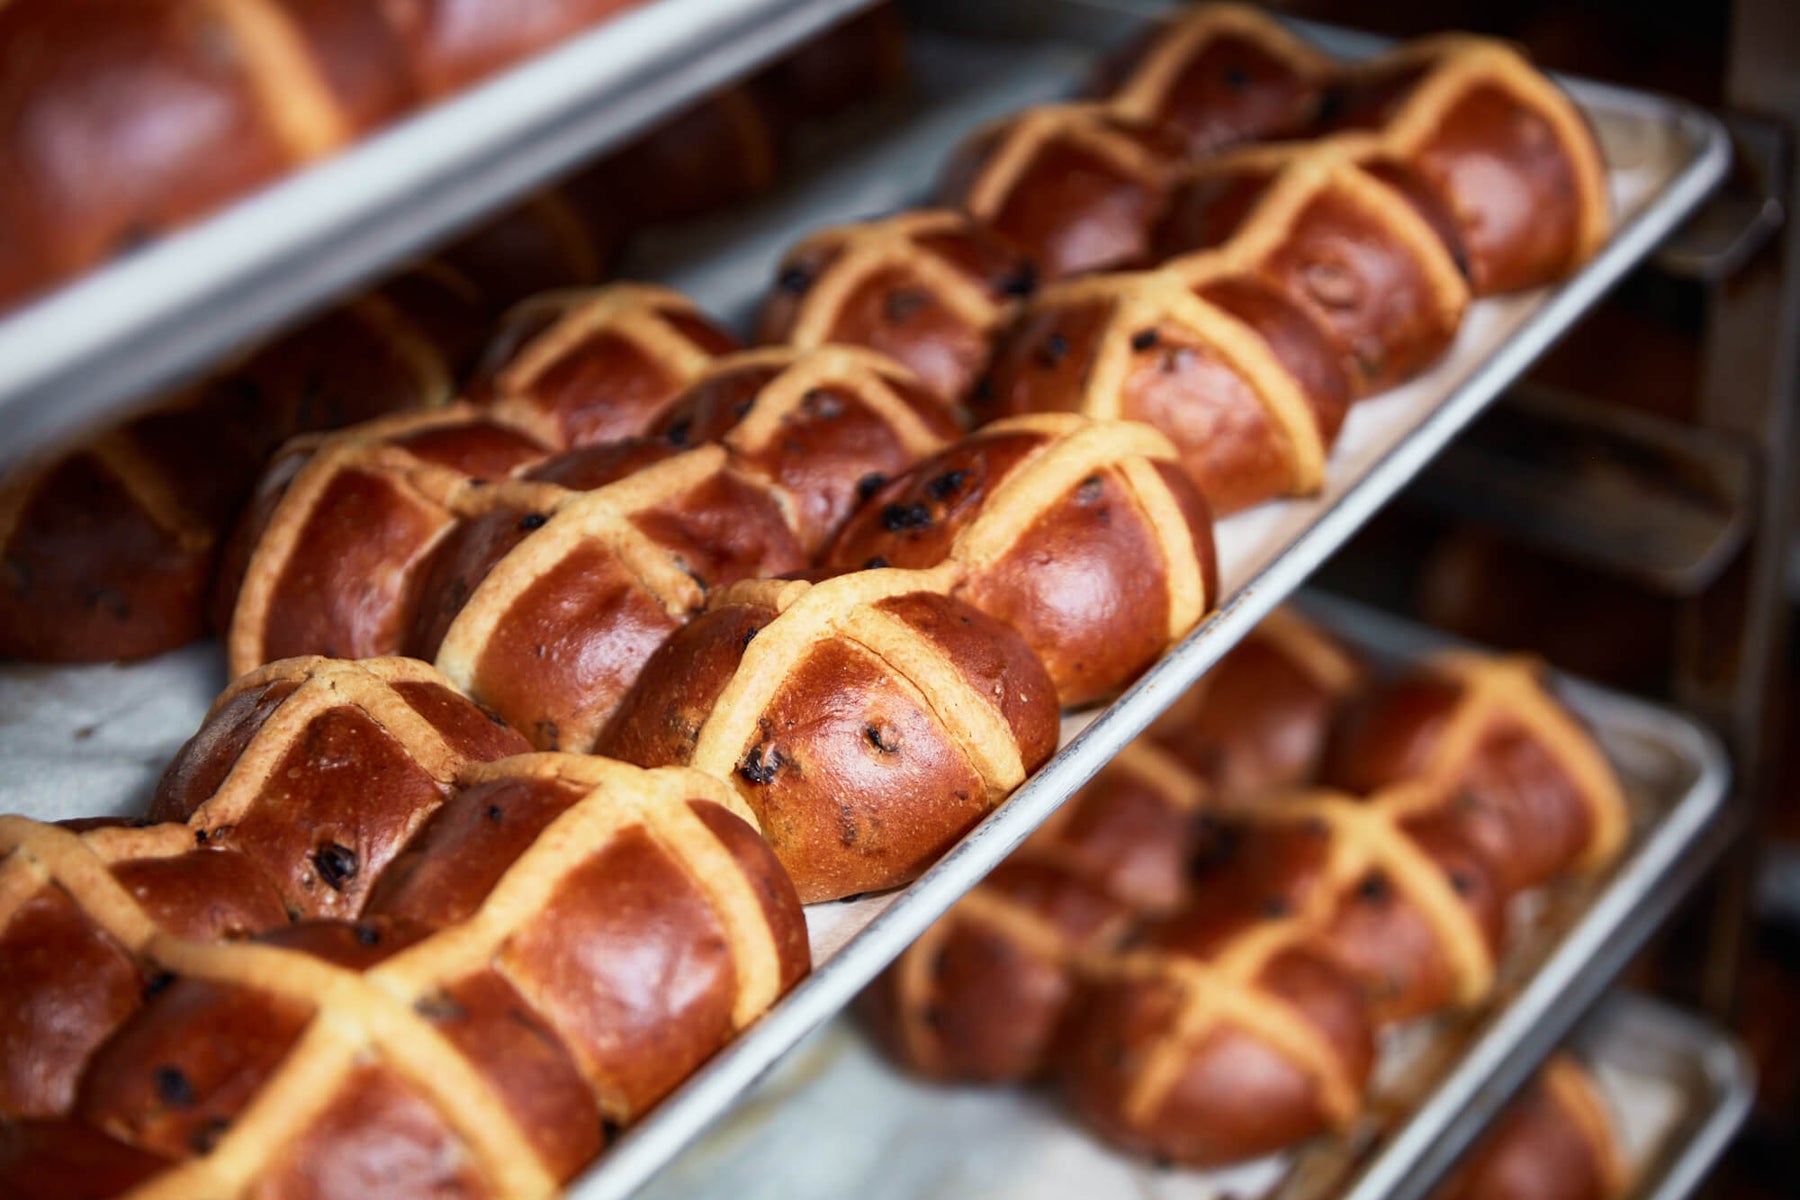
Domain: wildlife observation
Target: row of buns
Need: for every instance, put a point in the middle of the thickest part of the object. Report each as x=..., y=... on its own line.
x=108, y=548
x=363, y=929
x=1202, y=949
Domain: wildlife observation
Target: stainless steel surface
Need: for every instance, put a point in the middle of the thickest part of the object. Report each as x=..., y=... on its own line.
x=128, y=328
x=1664, y=156
x=1629, y=492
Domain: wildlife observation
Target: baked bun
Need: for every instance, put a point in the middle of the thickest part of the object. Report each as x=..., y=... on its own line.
x=1182, y=1053
x=340, y=521
x=1082, y=535
x=579, y=368
x=926, y=288
x=77, y=903
x=868, y=720
x=1077, y=187
x=1220, y=74
x=818, y=424
x=115, y=129
x=485, y=1021
x=1506, y=151
x=1261, y=719
x=1248, y=388
x=983, y=993
x=320, y=770
x=1354, y=241
x=540, y=590
x=1530, y=785
x=108, y=548
x=1557, y=1141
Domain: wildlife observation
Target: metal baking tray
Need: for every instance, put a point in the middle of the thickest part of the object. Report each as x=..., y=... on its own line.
x=837, y=1120
x=91, y=740
x=126, y=329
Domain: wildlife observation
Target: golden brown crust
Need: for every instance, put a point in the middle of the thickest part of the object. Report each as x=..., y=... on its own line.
x=856, y=718
x=1311, y=282
x=1068, y=530
x=1341, y=243
x=1220, y=74
x=480, y=1037
x=1310, y=924
x=1260, y=720
x=108, y=550
x=1506, y=151
x=924, y=287
x=1077, y=187
x=1207, y=973
x=83, y=109
x=1307, y=274
x=68, y=982
x=982, y=995
x=1182, y=1066
x=1499, y=150
x=450, y=535
x=329, y=571
x=580, y=368
x=1529, y=786
x=134, y=120
x=540, y=586
x=65, y=893
x=453, y=43
x=556, y=631
x=1251, y=396
x=1555, y=1142
x=813, y=423
x=285, y=764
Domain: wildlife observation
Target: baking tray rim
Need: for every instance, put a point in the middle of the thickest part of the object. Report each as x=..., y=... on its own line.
x=105, y=341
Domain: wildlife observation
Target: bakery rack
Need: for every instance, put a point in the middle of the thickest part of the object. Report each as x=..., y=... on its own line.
x=1667, y=156
x=89, y=349
x=1678, y=1084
